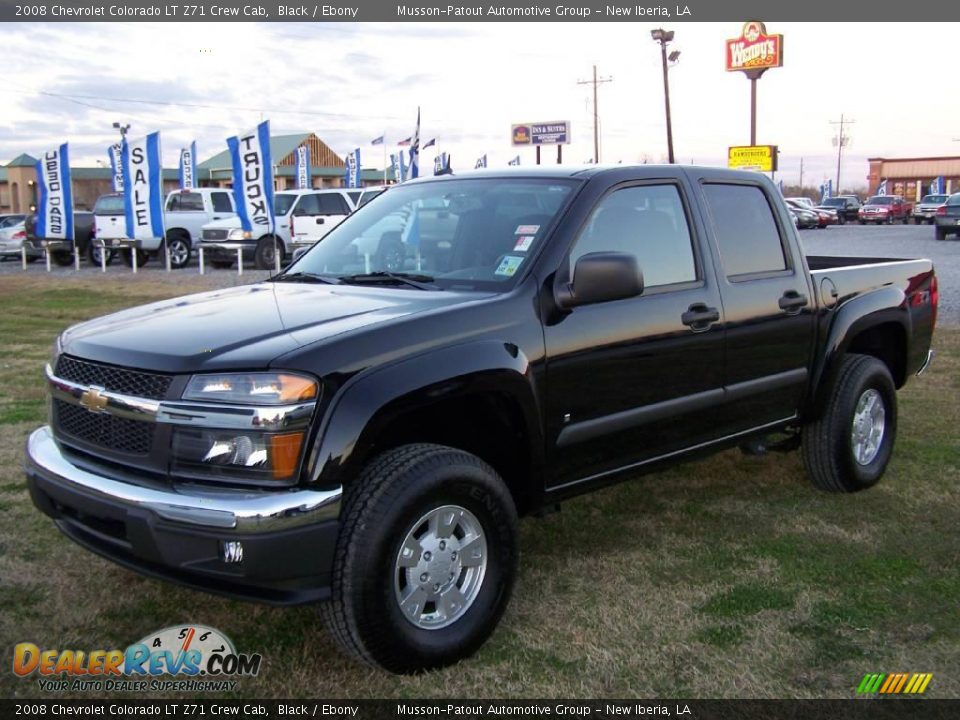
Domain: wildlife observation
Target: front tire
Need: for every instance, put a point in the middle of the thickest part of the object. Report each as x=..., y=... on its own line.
x=848, y=447
x=425, y=559
x=93, y=254
x=264, y=257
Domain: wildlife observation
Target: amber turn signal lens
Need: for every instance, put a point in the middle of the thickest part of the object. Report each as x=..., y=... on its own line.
x=284, y=453
x=294, y=388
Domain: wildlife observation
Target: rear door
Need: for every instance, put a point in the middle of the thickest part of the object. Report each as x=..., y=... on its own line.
x=635, y=379
x=768, y=308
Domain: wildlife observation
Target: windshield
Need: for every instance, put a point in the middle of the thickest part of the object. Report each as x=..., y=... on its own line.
x=934, y=199
x=282, y=202
x=465, y=234
x=11, y=220
x=880, y=200
x=109, y=205
x=834, y=202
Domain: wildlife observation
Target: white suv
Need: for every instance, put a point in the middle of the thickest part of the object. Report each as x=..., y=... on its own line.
x=302, y=218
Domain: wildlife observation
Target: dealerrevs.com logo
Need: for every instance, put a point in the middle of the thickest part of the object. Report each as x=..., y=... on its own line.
x=199, y=658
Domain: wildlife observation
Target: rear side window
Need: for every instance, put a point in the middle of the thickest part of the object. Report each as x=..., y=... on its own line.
x=333, y=204
x=185, y=202
x=221, y=202
x=746, y=230
x=308, y=205
x=109, y=205
x=646, y=221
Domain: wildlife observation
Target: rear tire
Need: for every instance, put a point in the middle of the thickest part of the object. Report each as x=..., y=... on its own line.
x=381, y=611
x=180, y=250
x=848, y=447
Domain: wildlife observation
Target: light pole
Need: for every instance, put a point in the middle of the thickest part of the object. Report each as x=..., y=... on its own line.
x=664, y=37
x=123, y=130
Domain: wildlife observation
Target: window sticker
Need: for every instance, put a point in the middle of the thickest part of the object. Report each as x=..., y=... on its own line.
x=526, y=230
x=523, y=243
x=509, y=266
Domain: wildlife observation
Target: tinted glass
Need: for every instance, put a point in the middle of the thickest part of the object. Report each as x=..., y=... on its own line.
x=109, y=205
x=368, y=196
x=954, y=199
x=880, y=200
x=465, y=233
x=185, y=202
x=282, y=202
x=647, y=222
x=934, y=198
x=745, y=228
x=333, y=204
x=355, y=196
x=221, y=202
x=308, y=205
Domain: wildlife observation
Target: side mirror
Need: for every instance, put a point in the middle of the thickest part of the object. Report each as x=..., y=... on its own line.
x=601, y=277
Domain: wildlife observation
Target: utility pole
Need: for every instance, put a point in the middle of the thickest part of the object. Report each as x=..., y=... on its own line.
x=801, y=175
x=596, y=132
x=840, y=140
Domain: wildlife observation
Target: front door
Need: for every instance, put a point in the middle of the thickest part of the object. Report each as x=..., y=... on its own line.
x=634, y=379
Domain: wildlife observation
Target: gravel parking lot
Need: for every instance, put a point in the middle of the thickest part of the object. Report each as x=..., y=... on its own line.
x=888, y=241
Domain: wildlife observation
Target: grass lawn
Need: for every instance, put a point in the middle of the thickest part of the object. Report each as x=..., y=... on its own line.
x=729, y=577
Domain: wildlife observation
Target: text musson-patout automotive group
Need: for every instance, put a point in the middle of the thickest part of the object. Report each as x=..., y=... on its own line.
x=577, y=11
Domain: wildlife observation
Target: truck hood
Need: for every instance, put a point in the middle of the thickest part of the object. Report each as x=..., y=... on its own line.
x=226, y=223
x=243, y=327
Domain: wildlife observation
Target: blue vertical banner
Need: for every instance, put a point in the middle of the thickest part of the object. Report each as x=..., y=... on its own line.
x=515, y=161
x=116, y=166
x=394, y=167
x=441, y=164
x=882, y=187
x=415, y=150
x=55, y=195
x=351, y=172
x=938, y=186
x=404, y=169
x=304, y=171
x=143, y=187
x=481, y=162
x=253, y=178
x=188, y=166
x=826, y=190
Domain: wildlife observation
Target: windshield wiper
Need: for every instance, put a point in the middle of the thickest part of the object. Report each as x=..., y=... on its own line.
x=384, y=277
x=303, y=277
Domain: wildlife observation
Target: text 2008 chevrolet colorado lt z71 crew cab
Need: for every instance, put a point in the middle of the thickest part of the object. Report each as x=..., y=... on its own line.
x=365, y=428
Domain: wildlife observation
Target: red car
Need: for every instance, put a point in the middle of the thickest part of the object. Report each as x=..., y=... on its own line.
x=885, y=209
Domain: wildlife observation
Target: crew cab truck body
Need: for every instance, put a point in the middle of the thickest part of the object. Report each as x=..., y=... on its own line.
x=302, y=217
x=885, y=209
x=367, y=436
x=185, y=213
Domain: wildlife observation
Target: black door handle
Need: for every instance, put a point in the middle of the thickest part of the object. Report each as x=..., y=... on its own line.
x=319, y=221
x=792, y=301
x=698, y=316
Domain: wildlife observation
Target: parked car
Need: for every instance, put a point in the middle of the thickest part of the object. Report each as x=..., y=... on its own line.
x=62, y=254
x=947, y=218
x=807, y=217
x=885, y=209
x=13, y=238
x=926, y=209
x=366, y=438
x=847, y=207
x=109, y=227
x=302, y=217
x=185, y=214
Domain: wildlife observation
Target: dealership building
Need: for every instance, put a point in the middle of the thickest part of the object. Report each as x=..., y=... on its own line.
x=18, y=178
x=911, y=177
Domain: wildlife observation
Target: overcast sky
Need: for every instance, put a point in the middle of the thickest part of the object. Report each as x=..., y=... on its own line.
x=349, y=83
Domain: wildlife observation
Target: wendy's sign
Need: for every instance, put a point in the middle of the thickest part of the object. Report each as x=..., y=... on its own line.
x=754, y=51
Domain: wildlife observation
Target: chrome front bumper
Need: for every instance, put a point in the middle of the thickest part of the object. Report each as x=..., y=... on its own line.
x=239, y=511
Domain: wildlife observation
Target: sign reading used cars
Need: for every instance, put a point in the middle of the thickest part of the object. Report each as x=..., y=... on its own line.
x=752, y=157
x=543, y=133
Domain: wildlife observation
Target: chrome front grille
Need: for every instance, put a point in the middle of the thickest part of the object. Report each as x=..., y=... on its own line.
x=120, y=380
x=214, y=234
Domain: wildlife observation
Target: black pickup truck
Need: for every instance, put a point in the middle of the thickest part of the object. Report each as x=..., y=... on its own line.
x=365, y=428
x=63, y=253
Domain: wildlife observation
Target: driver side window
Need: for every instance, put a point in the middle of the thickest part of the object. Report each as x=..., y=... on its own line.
x=645, y=221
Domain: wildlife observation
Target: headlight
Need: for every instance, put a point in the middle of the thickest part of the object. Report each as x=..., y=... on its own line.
x=233, y=455
x=246, y=454
x=252, y=388
x=55, y=352
x=239, y=234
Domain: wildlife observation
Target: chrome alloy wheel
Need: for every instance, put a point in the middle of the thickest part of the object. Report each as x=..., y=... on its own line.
x=869, y=422
x=179, y=251
x=440, y=567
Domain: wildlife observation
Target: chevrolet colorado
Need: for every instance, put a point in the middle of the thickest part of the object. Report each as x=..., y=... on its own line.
x=365, y=428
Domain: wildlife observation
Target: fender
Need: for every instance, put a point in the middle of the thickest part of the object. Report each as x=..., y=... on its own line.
x=371, y=400
x=877, y=307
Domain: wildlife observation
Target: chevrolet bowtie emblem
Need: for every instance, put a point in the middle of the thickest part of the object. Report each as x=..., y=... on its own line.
x=93, y=401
